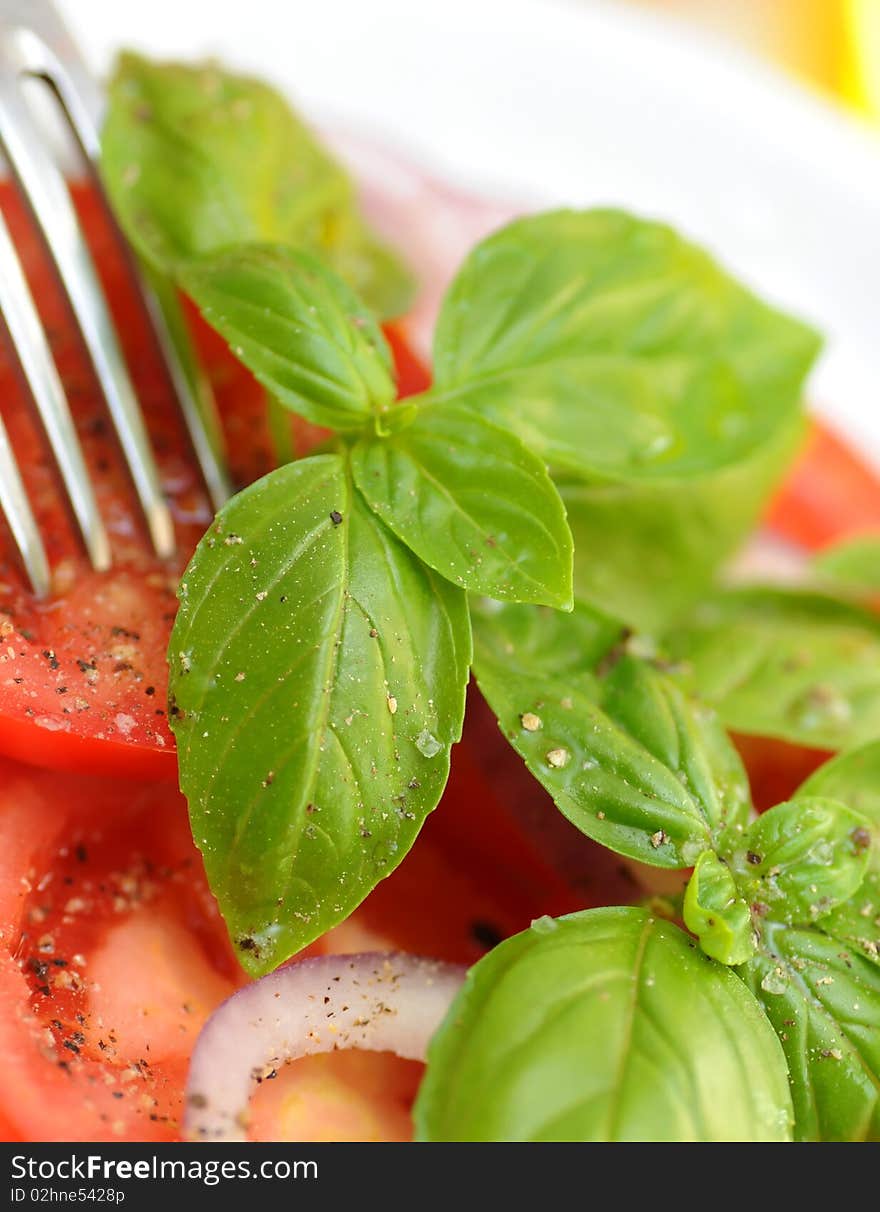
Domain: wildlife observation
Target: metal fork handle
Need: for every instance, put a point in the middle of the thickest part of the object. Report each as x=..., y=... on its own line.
x=35, y=42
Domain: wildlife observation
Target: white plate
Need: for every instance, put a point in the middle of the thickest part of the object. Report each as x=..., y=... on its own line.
x=543, y=102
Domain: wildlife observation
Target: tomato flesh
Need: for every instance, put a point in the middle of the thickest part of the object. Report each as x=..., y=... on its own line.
x=113, y=953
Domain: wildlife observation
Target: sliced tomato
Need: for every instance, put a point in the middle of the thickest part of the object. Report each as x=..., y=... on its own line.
x=830, y=494
x=112, y=954
x=82, y=675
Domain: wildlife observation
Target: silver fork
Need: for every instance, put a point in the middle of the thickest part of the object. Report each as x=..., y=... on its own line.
x=34, y=42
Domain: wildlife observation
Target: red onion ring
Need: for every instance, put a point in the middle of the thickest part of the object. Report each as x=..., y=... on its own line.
x=379, y=1002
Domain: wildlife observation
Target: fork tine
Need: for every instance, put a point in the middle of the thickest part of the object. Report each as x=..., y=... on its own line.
x=46, y=192
x=31, y=347
x=55, y=56
x=19, y=515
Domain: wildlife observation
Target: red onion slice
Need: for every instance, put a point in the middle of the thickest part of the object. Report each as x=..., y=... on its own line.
x=383, y=1003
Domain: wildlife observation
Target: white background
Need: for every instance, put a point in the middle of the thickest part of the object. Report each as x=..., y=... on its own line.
x=551, y=101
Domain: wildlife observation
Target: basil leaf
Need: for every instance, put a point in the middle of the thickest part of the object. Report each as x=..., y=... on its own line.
x=857, y=921
x=685, y=736
x=716, y=914
x=626, y=756
x=662, y=394
x=528, y=640
x=603, y=1026
x=197, y=159
x=852, y=565
x=472, y=502
x=645, y=551
x=784, y=663
x=613, y=346
x=854, y=779
x=300, y=330
x=824, y=1002
x=802, y=858
x=319, y=672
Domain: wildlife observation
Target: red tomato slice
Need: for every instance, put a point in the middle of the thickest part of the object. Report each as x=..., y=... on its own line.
x=112, y=954
x=82, y=675
x=830, y=494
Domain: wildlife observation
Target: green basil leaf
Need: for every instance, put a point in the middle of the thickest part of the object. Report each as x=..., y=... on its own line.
x=802, y=858
x=534, y=641
x=824, y=1002
x=626, y=756
x=606, y=1025
x=854, y=779
x=197, y=159
x=318, y=671
x=785, y=663
x=472, y=502
x=716, y=914
x=685, y=736
x=300, y=330
x=612, y=346
x=857, y=921
x=853, y=565
x=645, y=551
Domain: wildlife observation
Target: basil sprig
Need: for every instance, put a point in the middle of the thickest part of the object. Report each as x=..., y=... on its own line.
x=601, y=385
x=321, y=653
x=789, y=900
x=455, y=483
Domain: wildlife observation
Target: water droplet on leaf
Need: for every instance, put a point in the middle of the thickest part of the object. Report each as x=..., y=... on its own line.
x=427, y=744
x=774, y=981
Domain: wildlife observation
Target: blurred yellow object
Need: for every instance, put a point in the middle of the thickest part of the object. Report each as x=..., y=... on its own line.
x=834, y=44
x=862, y=81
